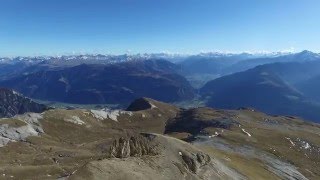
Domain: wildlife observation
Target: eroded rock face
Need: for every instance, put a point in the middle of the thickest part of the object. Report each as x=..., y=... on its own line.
x=194, y=162
x=12, y=103
x=135, y=146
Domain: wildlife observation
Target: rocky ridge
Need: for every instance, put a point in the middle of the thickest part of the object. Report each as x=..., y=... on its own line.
x=12, y=103
x=75, y=144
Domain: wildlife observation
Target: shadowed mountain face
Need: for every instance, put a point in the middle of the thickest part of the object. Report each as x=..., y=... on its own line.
x=304, y=76
x=311, y=88
x=293, y=72
x=115, y=83
x=210, y=64
x=12, y=103
x=259, y=89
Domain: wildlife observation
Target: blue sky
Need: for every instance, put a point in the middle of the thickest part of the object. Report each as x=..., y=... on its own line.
x=50, y=27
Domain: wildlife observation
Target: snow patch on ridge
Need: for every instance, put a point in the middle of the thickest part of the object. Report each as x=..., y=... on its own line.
x=16, y=93
x=109, y=114
x=244, y=131
x=292, y=143
x=32, y=120
x=305, y=145
x=14, y=134
x=75, y=120
x=152, y=106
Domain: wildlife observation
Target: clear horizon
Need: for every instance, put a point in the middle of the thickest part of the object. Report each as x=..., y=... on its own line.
x=57, y=27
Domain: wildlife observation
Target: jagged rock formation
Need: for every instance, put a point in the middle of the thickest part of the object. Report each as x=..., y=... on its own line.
x=195, y=161
x=12, y=103
x=135, y=146
x=175, y=160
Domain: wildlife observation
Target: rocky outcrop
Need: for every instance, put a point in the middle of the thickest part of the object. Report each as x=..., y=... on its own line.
x=134, y=146
x=175, y=160
x=12, y=103
x=194, y=162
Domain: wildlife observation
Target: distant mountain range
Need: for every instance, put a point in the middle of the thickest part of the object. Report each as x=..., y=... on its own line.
x=202, y=68
x=277, y=83
x=224, y=64
x=102, y=84
x=203, y=63
x=108, y=58
x=92, y=58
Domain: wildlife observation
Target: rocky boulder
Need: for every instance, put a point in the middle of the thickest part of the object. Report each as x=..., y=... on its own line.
x=194, y=162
